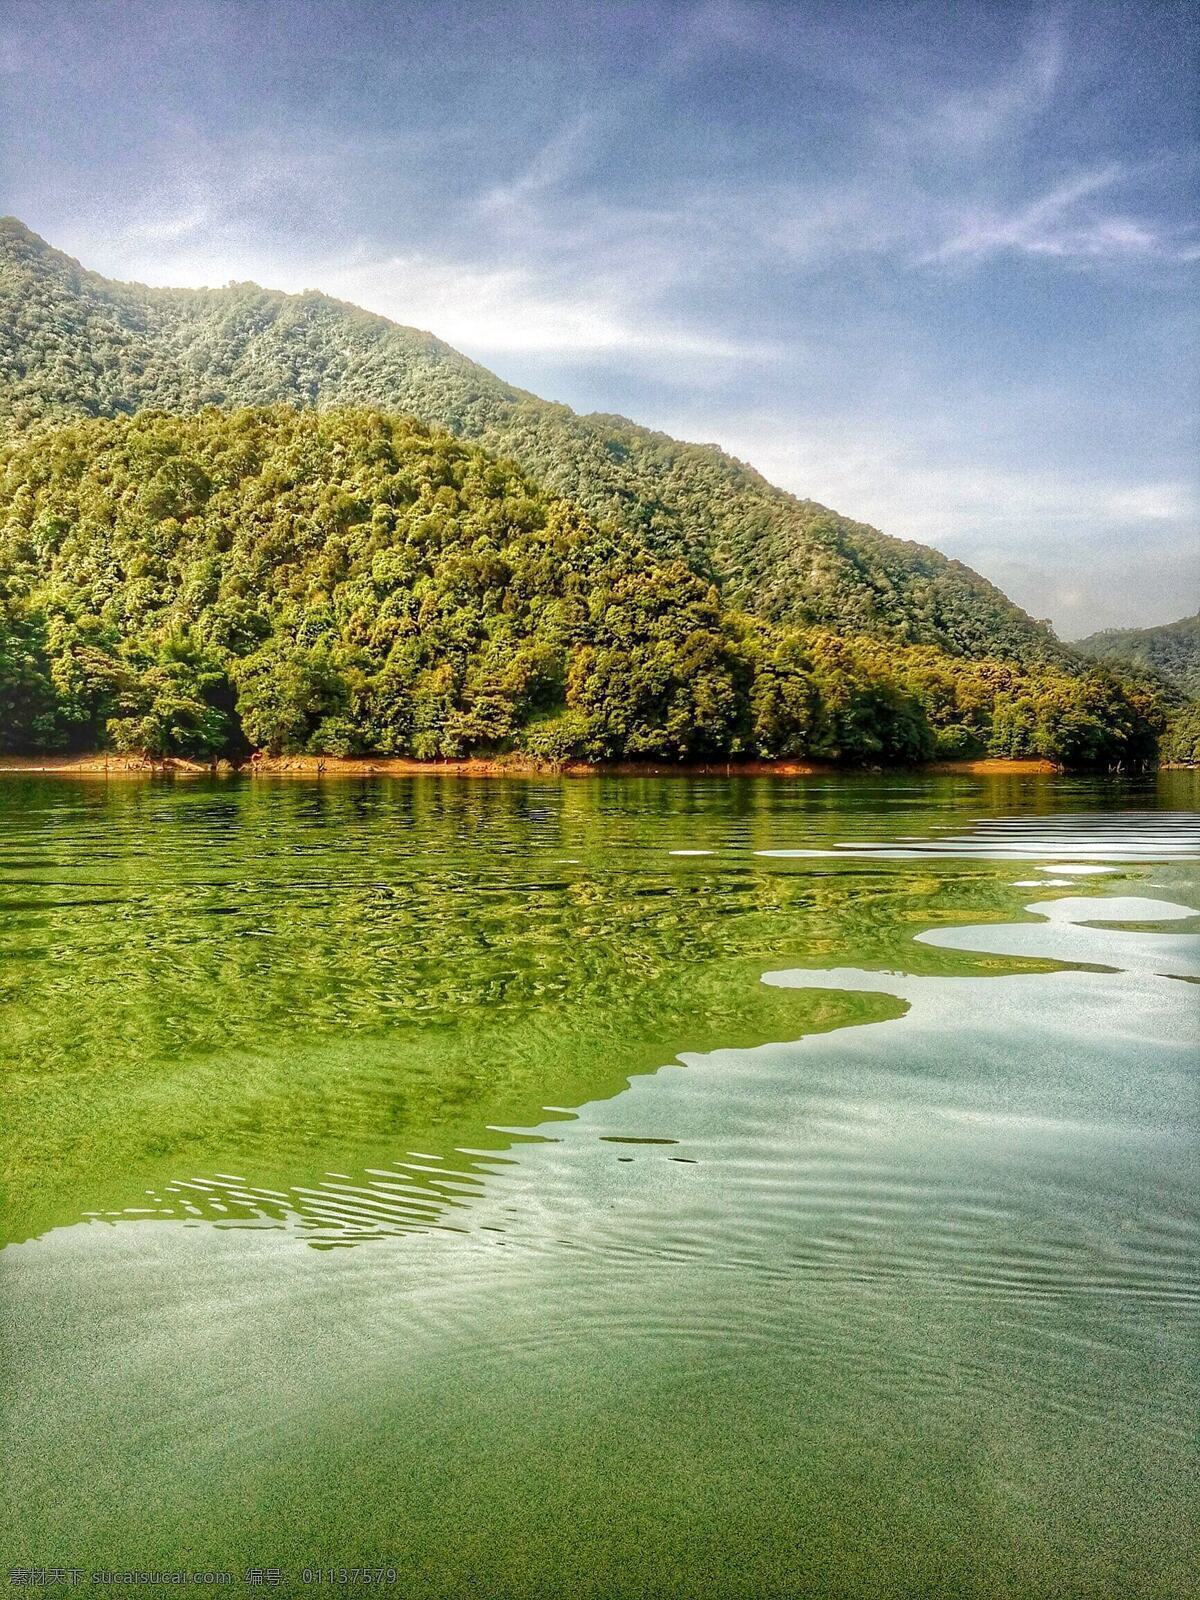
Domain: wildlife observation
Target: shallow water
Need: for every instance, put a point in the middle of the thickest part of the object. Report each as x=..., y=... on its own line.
x=422, y=1174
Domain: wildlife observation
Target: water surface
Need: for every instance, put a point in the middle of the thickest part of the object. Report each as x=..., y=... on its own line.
x=615, y=1187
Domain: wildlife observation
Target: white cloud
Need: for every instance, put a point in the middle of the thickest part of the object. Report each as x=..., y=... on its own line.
x=555, y=161
x=1154, y=502
x=883, y=476
x=968, y=119
x=720, y=27
x=1053, y=225
x=1087, y=550
x=167, y=228
x=486, y=310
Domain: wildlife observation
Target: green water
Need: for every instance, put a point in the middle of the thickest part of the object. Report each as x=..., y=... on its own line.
x=454, y=1177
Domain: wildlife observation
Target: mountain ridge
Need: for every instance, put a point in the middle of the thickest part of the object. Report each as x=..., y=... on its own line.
x=234, y=518
x=1171, y=650
x=116, y=348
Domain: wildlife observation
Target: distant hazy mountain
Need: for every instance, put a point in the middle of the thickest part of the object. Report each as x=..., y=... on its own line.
x=76, y=344
x=1172, y=650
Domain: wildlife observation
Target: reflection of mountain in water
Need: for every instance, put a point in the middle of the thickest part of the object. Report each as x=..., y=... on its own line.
x=931, y=1144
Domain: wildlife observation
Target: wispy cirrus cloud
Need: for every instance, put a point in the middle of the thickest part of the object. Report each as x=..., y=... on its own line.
x=719, y=27
x=842, y=241
x=488, y=310
x=511, y=309
x=1062, y=223
x=550, y=166
x=961, y=175
x=964, y=121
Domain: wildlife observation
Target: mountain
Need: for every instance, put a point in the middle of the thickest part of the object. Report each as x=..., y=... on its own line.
x=346, y=581
x=76, y=344
x=1172, y=651
x=233, y=518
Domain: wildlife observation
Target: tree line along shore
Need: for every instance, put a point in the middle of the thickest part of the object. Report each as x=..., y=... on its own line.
x=345, y=584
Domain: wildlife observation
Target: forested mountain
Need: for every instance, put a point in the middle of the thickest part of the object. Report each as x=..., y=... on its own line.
x=1172, y=650
x=233, y=518
x=75, y=344
x=344, y=581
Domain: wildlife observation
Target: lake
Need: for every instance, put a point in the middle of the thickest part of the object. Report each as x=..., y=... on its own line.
x=609, y=1187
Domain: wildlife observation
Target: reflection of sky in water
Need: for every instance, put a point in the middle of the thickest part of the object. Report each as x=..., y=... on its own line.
x=982, y=1138
x=1073, y=844
x=1077, y=869
x=1068, y=933
x=860, y=1131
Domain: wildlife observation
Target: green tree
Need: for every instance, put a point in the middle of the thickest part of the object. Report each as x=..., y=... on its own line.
x=285, y=692
x=345, y=581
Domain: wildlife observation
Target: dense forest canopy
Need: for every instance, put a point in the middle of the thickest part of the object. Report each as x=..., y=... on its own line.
x=75, y=344
x=253, y=542
x=344, y=581
x=1167, y=658
x=1172, y=650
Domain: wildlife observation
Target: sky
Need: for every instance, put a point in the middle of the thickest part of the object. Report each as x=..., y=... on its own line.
x=934, y=266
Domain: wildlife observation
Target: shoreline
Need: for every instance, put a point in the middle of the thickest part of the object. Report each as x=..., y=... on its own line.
x=104, y=765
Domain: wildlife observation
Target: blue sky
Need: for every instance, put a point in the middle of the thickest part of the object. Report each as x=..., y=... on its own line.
x=932, y=266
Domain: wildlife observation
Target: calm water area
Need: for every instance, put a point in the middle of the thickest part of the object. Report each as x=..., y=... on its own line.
x=604, y=1187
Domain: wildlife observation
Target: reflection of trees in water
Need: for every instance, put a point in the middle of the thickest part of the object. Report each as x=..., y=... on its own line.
x=297, y=977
